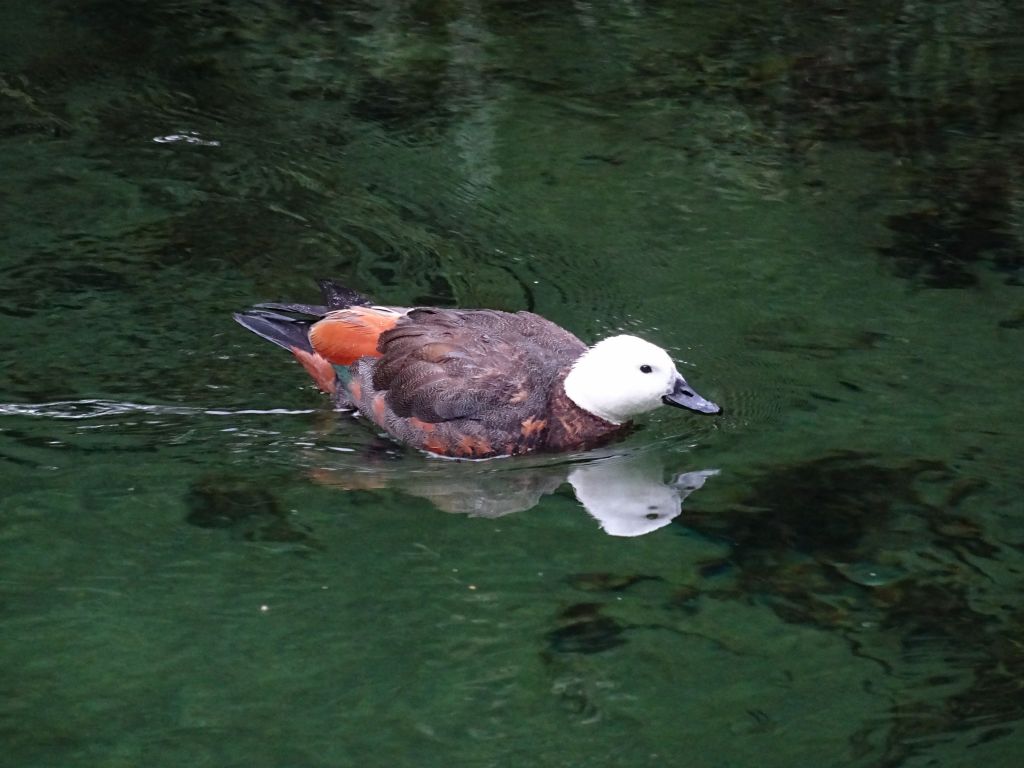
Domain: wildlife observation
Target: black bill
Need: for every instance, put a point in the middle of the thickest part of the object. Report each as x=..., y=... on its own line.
x=683, y=396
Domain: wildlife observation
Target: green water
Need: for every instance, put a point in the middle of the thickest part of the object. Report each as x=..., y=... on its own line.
x=819, y=209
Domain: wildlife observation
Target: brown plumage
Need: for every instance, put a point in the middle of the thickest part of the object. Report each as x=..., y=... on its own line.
x=475, y=384
x=461, y=383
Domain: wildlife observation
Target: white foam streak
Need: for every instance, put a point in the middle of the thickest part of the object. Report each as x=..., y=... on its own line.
x=97, y=409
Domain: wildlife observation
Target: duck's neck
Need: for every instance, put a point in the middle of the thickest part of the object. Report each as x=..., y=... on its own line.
x=573, y=427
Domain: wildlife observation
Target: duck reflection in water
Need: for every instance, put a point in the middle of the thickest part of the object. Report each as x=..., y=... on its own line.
x=628, y=494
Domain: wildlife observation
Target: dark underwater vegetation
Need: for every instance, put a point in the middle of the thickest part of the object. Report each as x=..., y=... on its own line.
x=816, y=207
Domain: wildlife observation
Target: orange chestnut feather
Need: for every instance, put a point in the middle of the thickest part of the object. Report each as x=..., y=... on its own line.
x=343, y=336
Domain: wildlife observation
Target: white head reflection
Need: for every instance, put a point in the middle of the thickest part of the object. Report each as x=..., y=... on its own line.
x=628, y=497
x=626, y=493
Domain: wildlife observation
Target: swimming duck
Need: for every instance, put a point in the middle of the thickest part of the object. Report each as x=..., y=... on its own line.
x=475, y=383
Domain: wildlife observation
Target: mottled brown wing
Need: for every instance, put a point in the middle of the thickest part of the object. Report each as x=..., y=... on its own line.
x=466, y=383
x=442, y=365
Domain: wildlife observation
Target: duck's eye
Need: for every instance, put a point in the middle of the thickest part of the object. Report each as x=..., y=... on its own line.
x=645, y=369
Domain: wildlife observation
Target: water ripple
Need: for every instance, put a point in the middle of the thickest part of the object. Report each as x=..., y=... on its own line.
x=95, y=409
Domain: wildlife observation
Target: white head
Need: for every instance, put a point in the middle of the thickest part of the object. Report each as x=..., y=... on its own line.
x=623, y=376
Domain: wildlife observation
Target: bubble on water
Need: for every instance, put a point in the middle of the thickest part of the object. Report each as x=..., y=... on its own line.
x=869, y=574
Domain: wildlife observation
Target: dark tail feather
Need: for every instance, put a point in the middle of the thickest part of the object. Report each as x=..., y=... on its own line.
x=287, y=325
x=291, y=330
x=288, y=332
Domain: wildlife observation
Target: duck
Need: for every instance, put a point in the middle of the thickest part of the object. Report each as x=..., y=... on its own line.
x=473, y=383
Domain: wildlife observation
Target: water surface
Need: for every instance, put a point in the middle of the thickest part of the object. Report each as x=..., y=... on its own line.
x=816, y=208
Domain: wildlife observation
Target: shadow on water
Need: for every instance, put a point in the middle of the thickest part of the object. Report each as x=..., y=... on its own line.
x=886, y=555
x=626, y=493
